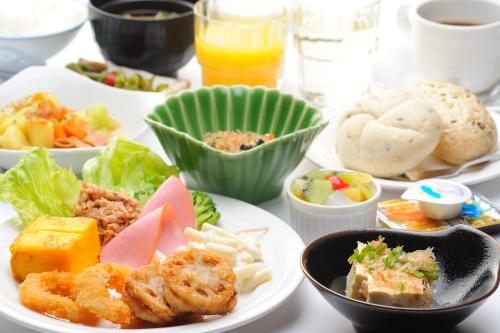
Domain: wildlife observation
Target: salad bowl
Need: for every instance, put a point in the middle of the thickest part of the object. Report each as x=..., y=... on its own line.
x=77, y=92
x=469, y=272
x=254, y=175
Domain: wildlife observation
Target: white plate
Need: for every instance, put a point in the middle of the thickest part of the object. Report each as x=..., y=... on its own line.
x=78, y=92
x=322, y=153
x=281, y=248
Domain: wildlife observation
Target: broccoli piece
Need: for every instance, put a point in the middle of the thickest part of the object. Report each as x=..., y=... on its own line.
x=204, y=208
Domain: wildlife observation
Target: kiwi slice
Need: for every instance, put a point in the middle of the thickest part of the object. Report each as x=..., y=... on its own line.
x=318, y=191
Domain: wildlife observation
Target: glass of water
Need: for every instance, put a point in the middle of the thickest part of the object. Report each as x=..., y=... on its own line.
x=335, y=40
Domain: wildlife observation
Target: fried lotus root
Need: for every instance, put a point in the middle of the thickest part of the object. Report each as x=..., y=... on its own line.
x=144, y=292
x=51, y=293
x=91, y=292
x=197, y=281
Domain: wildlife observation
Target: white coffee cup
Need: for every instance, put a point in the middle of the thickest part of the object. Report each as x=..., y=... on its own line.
x=444, y=50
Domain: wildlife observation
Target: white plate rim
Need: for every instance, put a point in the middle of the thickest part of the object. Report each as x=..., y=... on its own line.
x=274, y=301
x=472, y=178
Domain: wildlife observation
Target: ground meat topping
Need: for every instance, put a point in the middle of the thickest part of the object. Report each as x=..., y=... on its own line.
x=234, y=142
x=113, y=211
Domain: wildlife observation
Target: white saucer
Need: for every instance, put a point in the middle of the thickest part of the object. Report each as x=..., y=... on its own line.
x=394, y=68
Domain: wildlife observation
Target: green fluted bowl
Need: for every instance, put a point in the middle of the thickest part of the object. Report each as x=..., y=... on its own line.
x=255, y=175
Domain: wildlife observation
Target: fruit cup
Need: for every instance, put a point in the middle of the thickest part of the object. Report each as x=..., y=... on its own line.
x=323, y=201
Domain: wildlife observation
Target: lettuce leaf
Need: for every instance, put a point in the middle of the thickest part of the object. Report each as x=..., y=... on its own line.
x=128, y=167
x=37, y=186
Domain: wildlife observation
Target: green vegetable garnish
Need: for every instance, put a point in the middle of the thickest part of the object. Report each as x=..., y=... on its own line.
x=393, y=257
x=401, y=286
x=205, y=209
x=128, y=167
x=369, y=251
x=431, y=274
x=356, y=256
x=37, y=186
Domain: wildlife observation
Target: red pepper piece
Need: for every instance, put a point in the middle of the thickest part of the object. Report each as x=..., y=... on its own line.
x=337, y=183
x=110, y=79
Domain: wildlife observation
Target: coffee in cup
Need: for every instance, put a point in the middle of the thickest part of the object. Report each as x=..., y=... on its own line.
x=456, y=41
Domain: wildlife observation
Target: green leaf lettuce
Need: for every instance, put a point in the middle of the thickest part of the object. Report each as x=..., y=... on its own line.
x=37, y=186
x=128, y=167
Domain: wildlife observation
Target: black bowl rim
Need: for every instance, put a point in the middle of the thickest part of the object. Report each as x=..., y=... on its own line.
x=323, y=122
x=315, y=242
x=119, y=17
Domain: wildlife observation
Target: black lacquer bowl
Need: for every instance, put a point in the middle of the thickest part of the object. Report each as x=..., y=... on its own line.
x=469, y=273
x=159, y=46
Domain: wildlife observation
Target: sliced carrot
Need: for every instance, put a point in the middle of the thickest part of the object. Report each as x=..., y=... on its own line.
x=59, y=131
x=75, y=126
x=59, y=112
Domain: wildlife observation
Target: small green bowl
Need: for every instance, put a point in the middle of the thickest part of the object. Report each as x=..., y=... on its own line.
x=255, y=175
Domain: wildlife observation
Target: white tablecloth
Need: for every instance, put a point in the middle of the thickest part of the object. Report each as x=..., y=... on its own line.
x=305, y=310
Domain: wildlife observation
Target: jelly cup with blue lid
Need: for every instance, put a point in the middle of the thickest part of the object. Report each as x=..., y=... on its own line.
x=438, y=198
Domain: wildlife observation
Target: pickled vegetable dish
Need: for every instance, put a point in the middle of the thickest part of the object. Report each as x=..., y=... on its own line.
x=333, y=188
x=40, y=121
x=98, y=71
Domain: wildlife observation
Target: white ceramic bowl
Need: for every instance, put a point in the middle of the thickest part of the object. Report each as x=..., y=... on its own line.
x=78, y=92
x=19, y=52
x=312, y=221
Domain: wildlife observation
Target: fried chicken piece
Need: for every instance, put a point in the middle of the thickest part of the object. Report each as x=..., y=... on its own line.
x=144, y=292
x=113, y=211
x=197, y=281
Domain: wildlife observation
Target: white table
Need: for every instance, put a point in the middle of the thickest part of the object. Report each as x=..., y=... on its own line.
x=305, y=310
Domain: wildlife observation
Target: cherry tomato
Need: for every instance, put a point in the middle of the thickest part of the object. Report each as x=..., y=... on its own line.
x=110, y=79
x=337, y=183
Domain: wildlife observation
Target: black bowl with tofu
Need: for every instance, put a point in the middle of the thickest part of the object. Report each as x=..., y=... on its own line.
x=469, y=270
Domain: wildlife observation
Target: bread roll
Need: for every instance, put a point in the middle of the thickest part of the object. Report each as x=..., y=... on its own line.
x=467, y=129
x=387, y=134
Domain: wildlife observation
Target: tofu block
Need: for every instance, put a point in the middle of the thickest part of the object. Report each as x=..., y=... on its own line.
x=356, y=282
x=395, y=288
x=66, y=244
x=391, y=277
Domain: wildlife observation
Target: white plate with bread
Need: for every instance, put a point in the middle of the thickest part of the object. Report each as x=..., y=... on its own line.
x=389, y=133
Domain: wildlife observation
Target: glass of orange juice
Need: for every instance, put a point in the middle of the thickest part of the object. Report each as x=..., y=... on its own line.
x=240, y=41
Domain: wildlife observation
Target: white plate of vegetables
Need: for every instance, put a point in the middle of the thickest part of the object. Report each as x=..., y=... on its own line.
x=70, y=115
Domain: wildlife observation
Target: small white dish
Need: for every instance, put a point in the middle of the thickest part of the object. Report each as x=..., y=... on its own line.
x=281, y=248
x=78, y=92
x=438, y=198
x=312, y=220
x=19, y=52
x=322, y=153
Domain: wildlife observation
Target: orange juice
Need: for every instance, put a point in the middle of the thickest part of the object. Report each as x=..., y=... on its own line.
x=240, y=52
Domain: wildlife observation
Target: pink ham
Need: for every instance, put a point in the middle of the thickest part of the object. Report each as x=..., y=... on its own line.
x=136, y=245
x=175, y=194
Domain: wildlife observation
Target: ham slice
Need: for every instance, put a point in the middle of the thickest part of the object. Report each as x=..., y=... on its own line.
x=174, y=193
x=136, y=245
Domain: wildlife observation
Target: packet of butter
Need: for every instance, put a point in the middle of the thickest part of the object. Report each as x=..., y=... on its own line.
x=478, y=212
